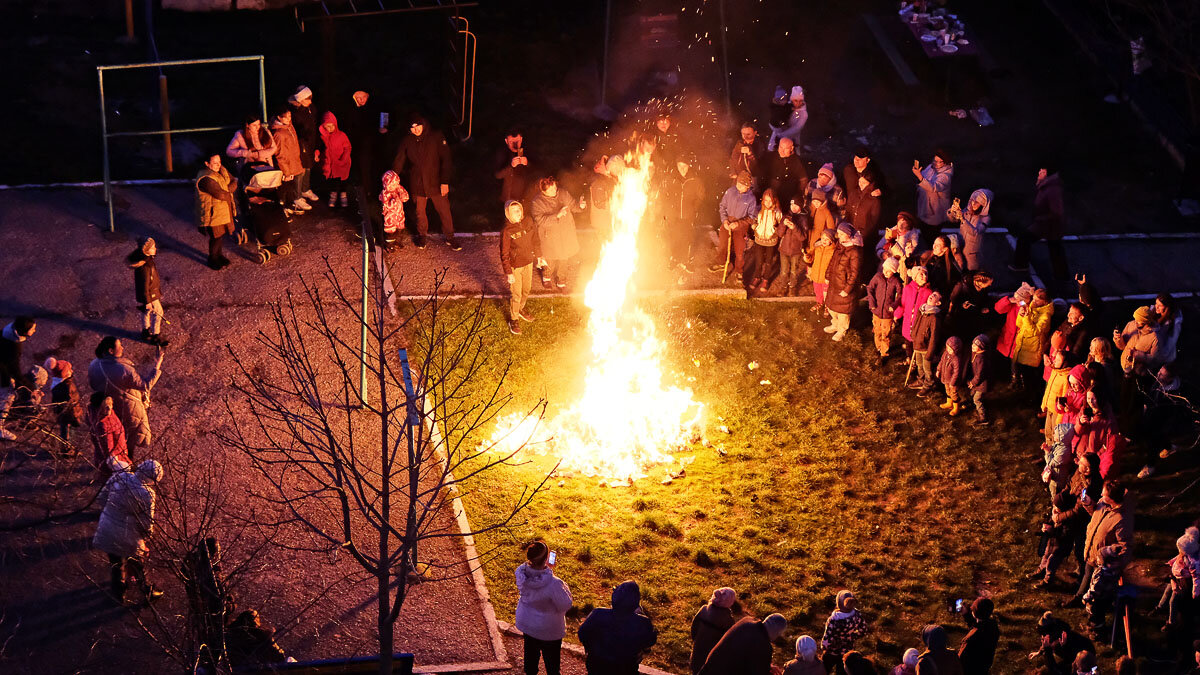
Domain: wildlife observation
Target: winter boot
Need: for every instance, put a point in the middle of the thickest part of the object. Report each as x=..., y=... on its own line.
x=947, y=405
x=332, y=199
x=147, y=336
x=955, y=409
x=344, y=200
x=794, y=287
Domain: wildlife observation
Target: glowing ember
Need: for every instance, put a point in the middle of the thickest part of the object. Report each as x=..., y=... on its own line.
x=627, y=419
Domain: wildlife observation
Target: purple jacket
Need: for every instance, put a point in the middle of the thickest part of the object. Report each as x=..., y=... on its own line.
x=884, y=295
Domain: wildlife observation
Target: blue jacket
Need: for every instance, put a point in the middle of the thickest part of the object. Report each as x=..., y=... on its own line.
x=883, y=295
x=738, y=205
x=616, y=638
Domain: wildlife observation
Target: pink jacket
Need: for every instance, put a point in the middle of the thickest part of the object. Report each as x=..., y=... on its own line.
x=1008, y=336
x=911, y=300
x=335, y=160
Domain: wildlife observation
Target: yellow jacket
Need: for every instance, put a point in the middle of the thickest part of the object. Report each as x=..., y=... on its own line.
x=1033, y=327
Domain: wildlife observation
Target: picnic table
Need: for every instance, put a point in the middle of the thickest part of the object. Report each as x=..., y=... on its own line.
x=930, y=31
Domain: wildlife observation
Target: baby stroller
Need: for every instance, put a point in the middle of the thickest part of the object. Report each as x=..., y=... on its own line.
x=265, y=217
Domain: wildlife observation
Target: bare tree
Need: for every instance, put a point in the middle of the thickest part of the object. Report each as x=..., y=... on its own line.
x=1171, y=29
x=364, y=473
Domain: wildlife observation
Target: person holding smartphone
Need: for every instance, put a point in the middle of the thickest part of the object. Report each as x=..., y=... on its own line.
x=541, y=608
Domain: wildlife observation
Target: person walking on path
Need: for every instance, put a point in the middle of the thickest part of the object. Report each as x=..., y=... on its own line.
x=304, y=120
x=12, y=344
x=425, y=155
x=746, y=648
x=617, y=638
x=126, y=521
x=1049, y=223
x=553, y=212
x=710, y=624
x=116, y=376
x=216, y=208
x=335, y=162
x=541, y=609
x=520, y=250
x=148, y=290
x=933, y=189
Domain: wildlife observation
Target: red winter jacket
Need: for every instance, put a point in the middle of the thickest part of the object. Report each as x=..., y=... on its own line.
x=335, y=159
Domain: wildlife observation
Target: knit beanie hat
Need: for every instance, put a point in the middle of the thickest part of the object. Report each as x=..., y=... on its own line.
x=744, y=178
x=844, y=596
x=806, y=648
x=150, y=470
x=980, y=342
x=1143, y=314
x=797, y=92
x=775, y=625
x=910, y=657
x=38, y=376
x=827, y=167
x=846, y=229
x=818, y=196
x=780, y=93
x=891, y=265
x=723, y=597
x=1189, y=543
x=302, y=92
x=918, y=268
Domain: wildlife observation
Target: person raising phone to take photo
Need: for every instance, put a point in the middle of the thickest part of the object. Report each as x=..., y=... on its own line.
x=541, y=608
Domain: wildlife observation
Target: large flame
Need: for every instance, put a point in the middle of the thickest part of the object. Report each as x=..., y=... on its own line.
x=628, y=419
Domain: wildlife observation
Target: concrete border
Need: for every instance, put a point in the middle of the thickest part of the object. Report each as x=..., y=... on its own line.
x=579, y=651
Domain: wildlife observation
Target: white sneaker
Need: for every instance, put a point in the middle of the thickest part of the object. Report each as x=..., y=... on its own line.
x=829, y=329
x=301, y=205
x=311, y=196
x=837, y=337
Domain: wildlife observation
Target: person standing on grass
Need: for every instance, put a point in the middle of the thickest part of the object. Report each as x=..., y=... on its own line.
x=126, y=521
x=784, y=172
x=864, y=190
x=916, y=292
x=746, y=648
x=844, y=626
x=304, y=120
x=842, y=296
x=738, y=210
x=541, y=609
x=710, y=624
x=617, y=638
x=335, y=162
x=1110, y=531
x=818, y=269
x=973, y=221
x=977, y=651
x=763, y=257
x=425, y=154
x=980, y=377
x=747, y=153
x=1029, y=342
x=1049, y=223
x=116, y=376
x=520, y=250
x=927, y=339
x=685, y=194
x=553, y=212
x=12, y=343
x=950, y=371
x=806, y=662
x=884, y=295
x=148, y=290
x=944, y=661
x=1141, y=356
x=289, y=161
x=216, y=208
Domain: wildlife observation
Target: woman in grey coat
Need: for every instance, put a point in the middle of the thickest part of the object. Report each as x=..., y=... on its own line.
x=553, y=212
x=973, y=222
x=129, y=389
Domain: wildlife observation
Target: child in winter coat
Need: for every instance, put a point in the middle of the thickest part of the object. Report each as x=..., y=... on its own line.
x=806, y=661
x=1059, y=457
x=844, y=626
x=950, y=372
x=392, y=197
x=908, y=664
x=1056, y=389
x=108, y=436
x=64, y=397
x=791, y=248
x=981, y=378
x=148, y=290
x=912, y=298
x=819, y=266
x=26, y=407
x=926, y=339
x=1102, y=591
x=1183, y=588
x=884, y=293
x=335, y=160
x=1059, y=533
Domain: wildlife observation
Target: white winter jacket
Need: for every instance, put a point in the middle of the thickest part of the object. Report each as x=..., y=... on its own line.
x=128, y=516
x=543, y=603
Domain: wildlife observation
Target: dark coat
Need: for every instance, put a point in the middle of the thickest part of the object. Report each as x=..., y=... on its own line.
x=883, y=295
x=1077, y=339
x=944, y=272
x=514, y=180
x=10, y=358
x=842, y=275
x=862, y=208
x=793, y=239
x=978, y=648
x=65, y=399
x=927, y=333
x=786, y=176
x=615, y=639
x=738, y=161
x=744, y=650
x=252, y=646
x=361, y=124
x=971, y=310
x=708, y=627
x=519, y=244
x=950, y=370
x=981, y=376
x=304, y=119
x=427, y=159
x=1048, y=218
x=146, y=287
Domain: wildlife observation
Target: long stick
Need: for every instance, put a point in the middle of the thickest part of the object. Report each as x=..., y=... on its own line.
x=728, y=251
x=911, y=360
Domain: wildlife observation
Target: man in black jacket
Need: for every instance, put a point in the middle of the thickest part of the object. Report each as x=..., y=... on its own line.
x=426, y=156
x=616, y=639
x=304, y=120
x=784, y=172
x=12, y=340
x=148, y=290
x=978, y=648
x=512, y=167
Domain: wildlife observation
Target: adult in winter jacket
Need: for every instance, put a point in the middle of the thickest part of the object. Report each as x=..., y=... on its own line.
x=797, y=117
x=806, y=662
x=512, y=167
x=926, y=342
x=746, y=648
x=971, y=306
x=884, y=295
x=710, y=624
x=12, y=340
x=304, y=121
x=252, y=145
x=842, y=294
x=335, y=160
x=933, y=188
x=520, y=250
x=616, y=638
x=1109, y=533
x=843, y=627
x=147, y=290
x=747, y=153
x=936, y=653
x=686, y=196
x=973, y=222
x=541, y=609
x=1097, y=432
x=126, y=521
x=784, y=172
x=367, y=126
x=863, y=183
x=944, y=270
x=977, y=650
x=553, y=212
x=979, y=380
x=912, y=299
x=288, y=160
x=425, y=156
x=1139, y=344
x=1049, y=223
x=950, y=372
x=738, y=210
x=216, y=208
x=116, y=376
x=1029, y=343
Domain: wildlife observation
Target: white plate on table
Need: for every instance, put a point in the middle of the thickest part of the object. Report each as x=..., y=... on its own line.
x=948, y=49
x=964, y=41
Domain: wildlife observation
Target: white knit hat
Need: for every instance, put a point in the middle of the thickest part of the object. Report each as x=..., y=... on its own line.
x=797, y=92
x=302, y=92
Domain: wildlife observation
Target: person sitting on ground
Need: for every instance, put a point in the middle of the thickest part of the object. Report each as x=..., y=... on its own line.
x=520, y=250
x=148, y=290
x=950, y=372
x=884, y=295
x=1059, y=644
x=916, y=293
x=973, y=221
x=933, y=188
x=977, y=650
x=844, y=267
x=908, y=663
x=542, y=604
x=552, y=210
x=746, y=648
x=764, y=251
x=249, y=642
x=64, y=400
x=615, y=639
x=710, y=624
x=738, y=210
x=1084, y=664
x=335, y=160
x=980, y=379
x=108, y=436
x=818, y=269
x=806, y=662
x=126, y=522
x=927, y=340
x=945, y=661
x=791, y=248
x=796, y=119
x=842, y=629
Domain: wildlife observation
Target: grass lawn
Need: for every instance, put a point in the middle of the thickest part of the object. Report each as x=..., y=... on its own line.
x=834, y=477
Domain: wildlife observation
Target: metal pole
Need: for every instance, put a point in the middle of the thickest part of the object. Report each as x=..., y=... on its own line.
x=725, y=59
x=129, y=20
x=262, y=88
x=604, y=62
x=104, y=135
x=366, y=289
x=165, y=106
